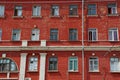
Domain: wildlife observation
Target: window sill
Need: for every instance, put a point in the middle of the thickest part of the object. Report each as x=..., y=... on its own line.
x=17, y=17
x=113, y=15
x=72, y=71
x=94, y=71
x=33, y=71
x=36, y=16
x=92, y=41
x=8, y=78
x=52, y=16
x=114, y=71
x=52, y=70
x=10, y=72
x=92, y=15
x=2, y=16
x=72, y=40
x=73, y=16
x=113, y=41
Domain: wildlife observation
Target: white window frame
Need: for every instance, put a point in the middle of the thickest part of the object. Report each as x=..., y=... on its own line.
x=115, y=64
x=71, y=8
x=55, y=10
x=72, y=32
x=35, y=34
x=91, y=9
x=16, y=34
x=0, y=34
x=2, y=10
x=36, y=10
x=93, y=30
x=112, y=35
x=18, y=11
x=93, y=64
x=112, y=9
x=75, y=58
x=33, y=63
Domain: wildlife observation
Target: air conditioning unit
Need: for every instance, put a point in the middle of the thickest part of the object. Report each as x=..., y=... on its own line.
x=27, y=78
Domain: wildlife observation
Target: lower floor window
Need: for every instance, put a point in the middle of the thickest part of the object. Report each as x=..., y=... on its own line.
x=73, y=64
x=114, y=64
x=53, y=63
x=33, y=64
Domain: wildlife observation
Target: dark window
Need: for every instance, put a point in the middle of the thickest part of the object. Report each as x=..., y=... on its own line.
x=54, y=34
x=7, y=65
x=72, y=34
x=53, y=63
x=18, y=11
x=91, y=9
x=92, y=34
x=73, y=10
x=112, y=9
x=55, y=10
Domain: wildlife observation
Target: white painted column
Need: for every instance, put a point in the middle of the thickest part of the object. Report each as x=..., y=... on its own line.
x=42, y=66
x=22, y=66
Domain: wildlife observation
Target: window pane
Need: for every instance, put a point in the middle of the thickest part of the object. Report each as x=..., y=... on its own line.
x=93, y=64
x=55, y=10
x=73, y=63
x=73, y=10
x=53, y=63
x=92, y=34
x=54, y=34
x=16, y=34
x=73, y=34
x=1, y=10
x=33, y=64
x=91, y=9
x=0, y=34
x=35, y=34
x=36, y=10
x=18, y=11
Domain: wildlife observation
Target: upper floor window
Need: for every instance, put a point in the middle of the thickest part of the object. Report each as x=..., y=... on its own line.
x=114, y=64
x=0, y=34
x=54, y=34
x=18, y=11
x=53, y=61
x=73, y=10
x=72, y=34
x=16, y=34
x=93, y=64
x=33, y=63
x=92, y=9
x=36, y=10
x=92, y=34
x=112, y=8
x=113, y=34
x=7, y=65
x=55, y=10
x=35, y=34
x=2, y=9
x=73, y=64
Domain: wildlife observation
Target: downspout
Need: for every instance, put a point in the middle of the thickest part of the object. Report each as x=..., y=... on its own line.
x=83, y=40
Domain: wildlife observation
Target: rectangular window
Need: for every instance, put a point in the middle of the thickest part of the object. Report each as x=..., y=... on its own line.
x=36, y=10
x=92, y=9
x=112, y=8
x=53, y=61
x=114, y=64
x=2, y=9
x=33, y=64
x=73, y=34
x=73, y=64
x=16, y=34
x=0, y=34
x=93, y=64
x=73, y=10
x=55, y=10
x=18, y=11
x=35, y=34
x=113, y=34
x=92, y=34
x=54, y=34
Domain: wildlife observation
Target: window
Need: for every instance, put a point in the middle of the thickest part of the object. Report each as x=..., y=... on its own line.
x=73, y=10
x=33, y=64
x=73, y=64
x=92, y=9
x=16, y=34
x=114, y=64
x=7, y=65
x=112, y=9
x=54, y=34
x=72, y=34
x=0, y=34
x=93, y=64
x=2, y=10
x=36, y=10
x=55, y=10
x=113, y=34
x=53, y=61
x=35, y=34
x=18, y=11
x=92, y=34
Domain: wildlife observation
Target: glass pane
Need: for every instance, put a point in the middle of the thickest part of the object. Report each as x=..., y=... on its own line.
x=110, y=35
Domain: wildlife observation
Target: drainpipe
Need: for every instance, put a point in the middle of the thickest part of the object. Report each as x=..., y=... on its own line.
x=82, y=39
